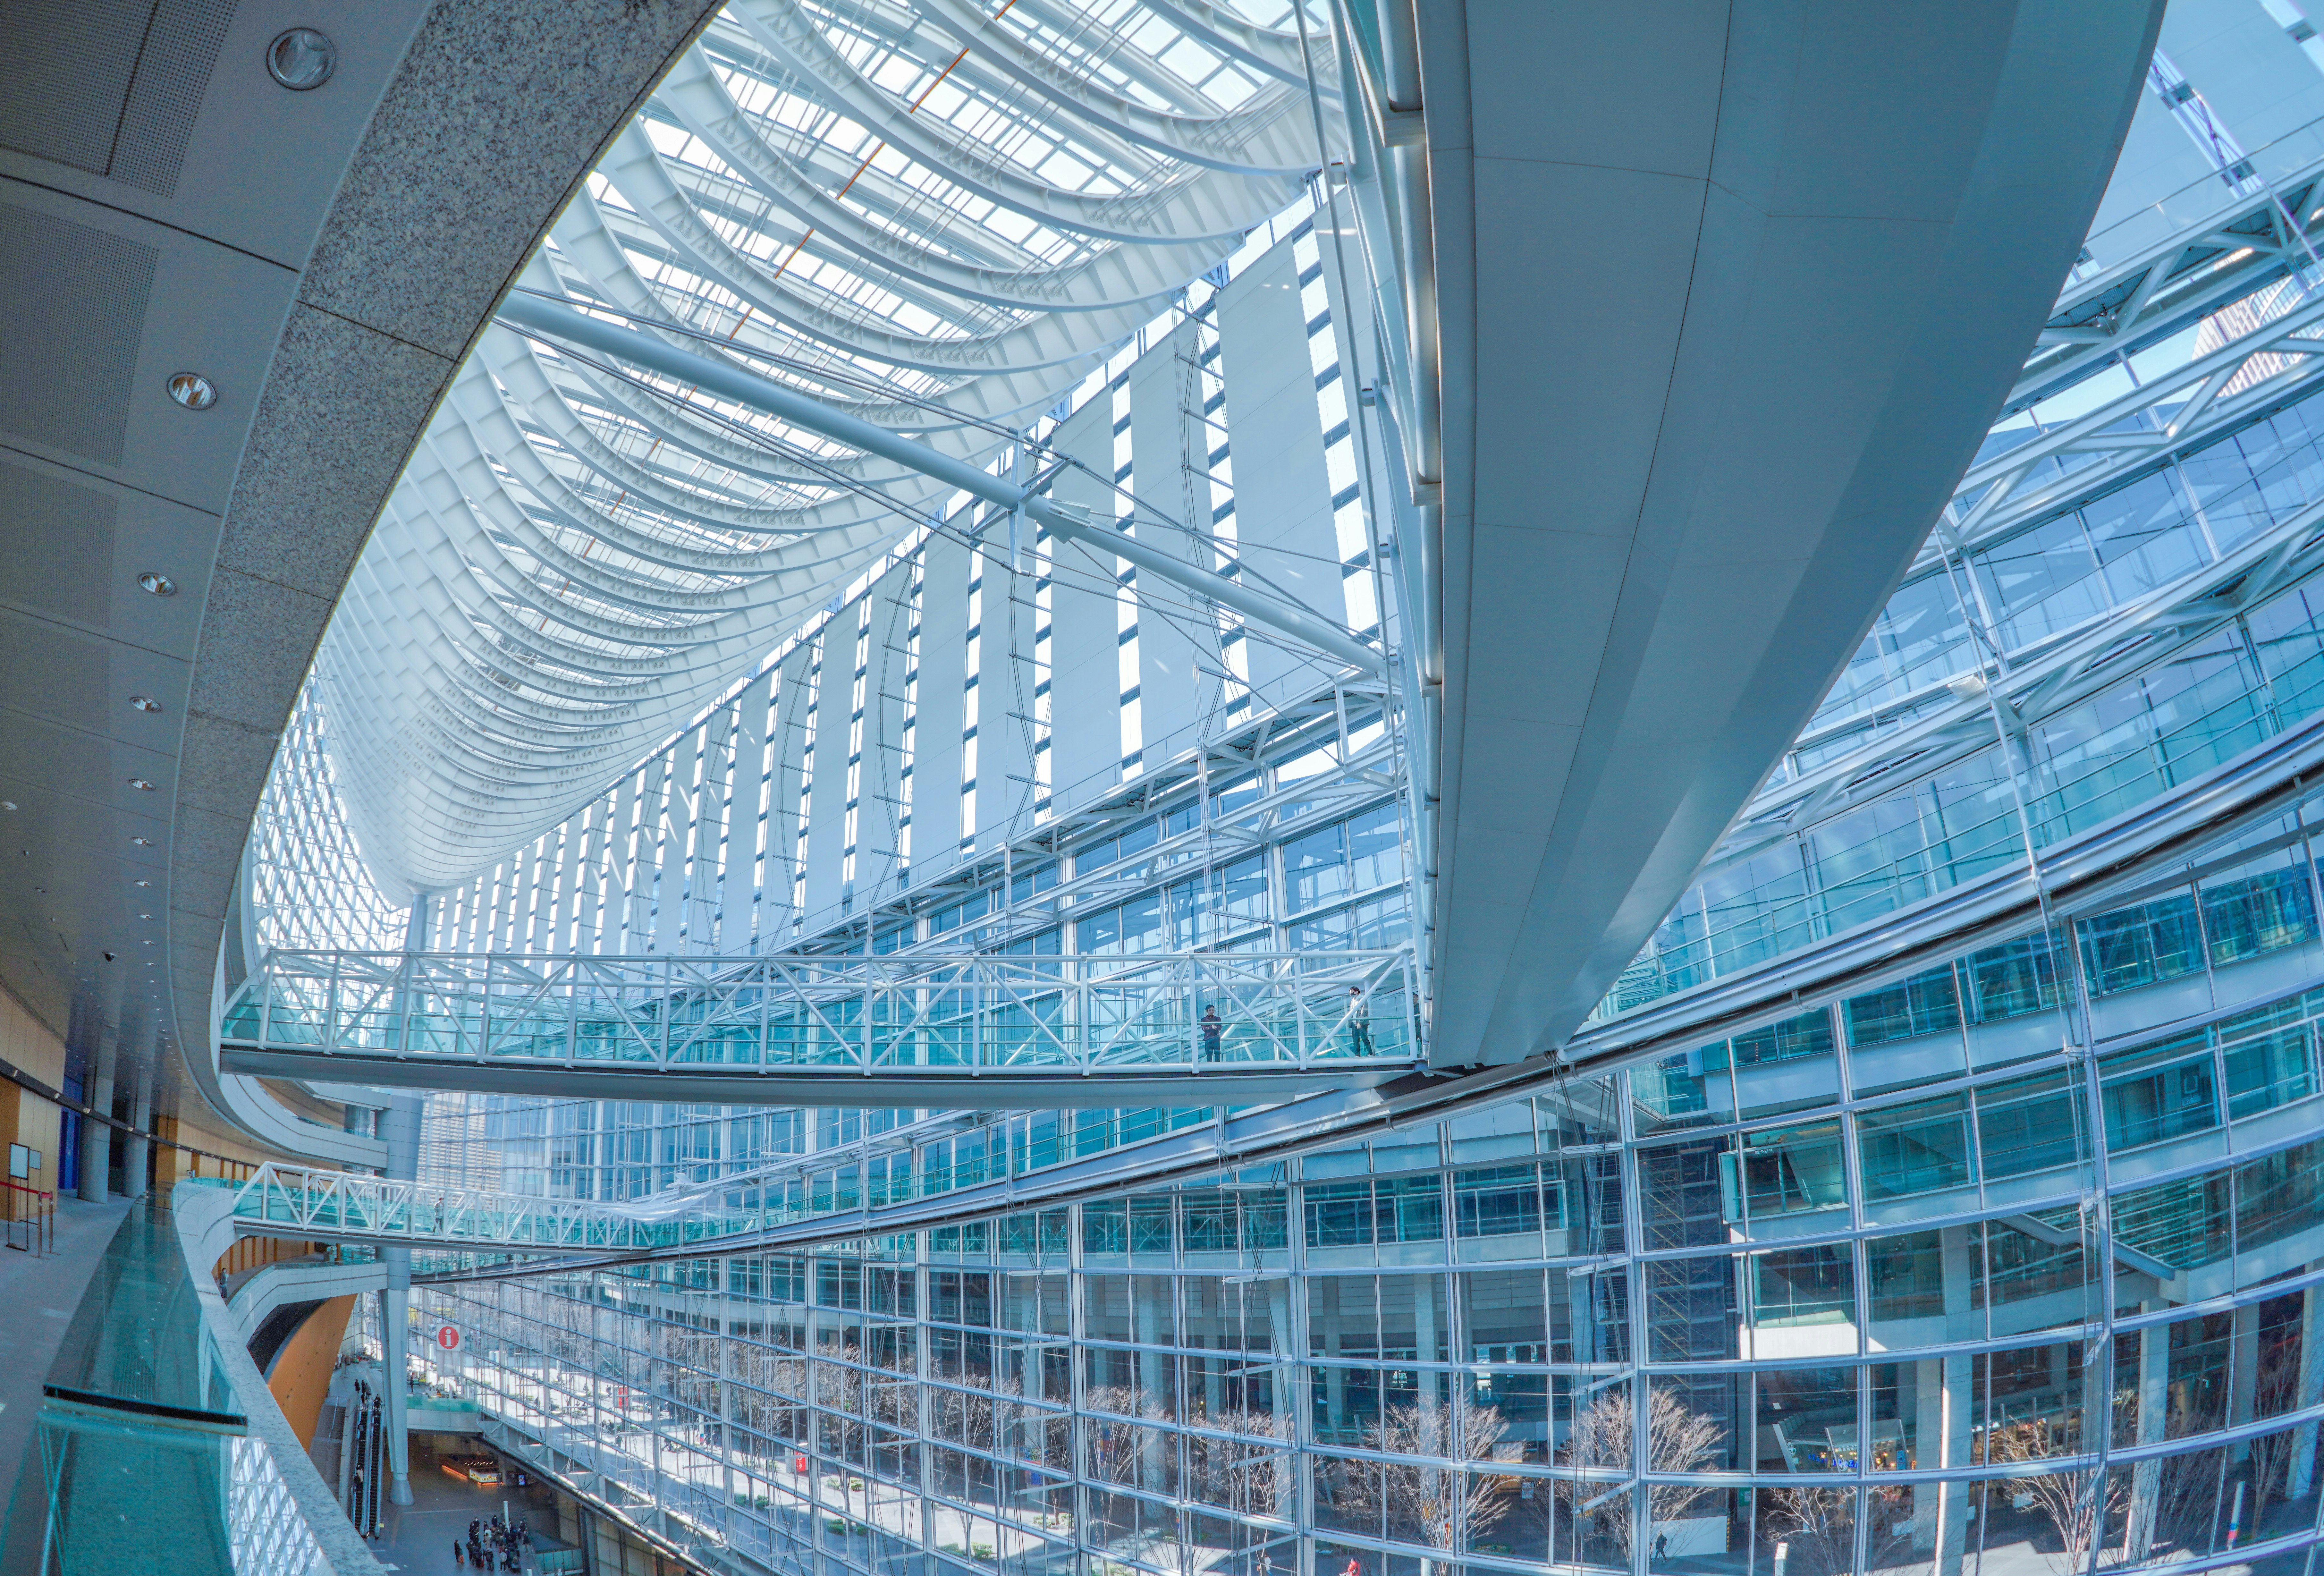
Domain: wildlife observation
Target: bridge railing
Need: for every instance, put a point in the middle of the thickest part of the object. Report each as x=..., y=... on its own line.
x=1182, y=1012
x=338, y=1203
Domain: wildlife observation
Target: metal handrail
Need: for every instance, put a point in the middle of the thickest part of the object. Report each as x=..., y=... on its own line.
x=40, y=1224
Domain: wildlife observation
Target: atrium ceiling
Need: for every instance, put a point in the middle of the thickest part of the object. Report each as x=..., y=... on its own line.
x=923, y=217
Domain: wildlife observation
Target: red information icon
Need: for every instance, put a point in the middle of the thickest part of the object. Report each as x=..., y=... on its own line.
x=447, y=1336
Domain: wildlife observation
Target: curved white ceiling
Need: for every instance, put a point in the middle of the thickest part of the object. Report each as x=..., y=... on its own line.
x=934, y=216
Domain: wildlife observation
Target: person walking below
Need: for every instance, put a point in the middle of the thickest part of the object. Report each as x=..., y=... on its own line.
x=1212, y=1028
x=459, y=1556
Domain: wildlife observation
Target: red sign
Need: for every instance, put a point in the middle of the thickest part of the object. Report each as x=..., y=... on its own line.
x=447, y=1336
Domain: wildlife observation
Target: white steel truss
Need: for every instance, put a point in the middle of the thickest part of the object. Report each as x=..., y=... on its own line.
x=345, y=1206
x=970, y=1027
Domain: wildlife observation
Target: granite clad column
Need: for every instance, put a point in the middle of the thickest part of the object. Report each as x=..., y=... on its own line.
x=398, y=1124
x=96, y=1128
x=398, y=1128
x=135, y=1146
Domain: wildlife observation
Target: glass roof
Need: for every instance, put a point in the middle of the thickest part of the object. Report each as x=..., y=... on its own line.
x=936, y=217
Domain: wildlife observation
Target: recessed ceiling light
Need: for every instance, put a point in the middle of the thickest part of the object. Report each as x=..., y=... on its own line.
x=302, y=59
x=142, y=842
x=144, y=703
x=142, y=782
x=157, y=583
x=193, y=391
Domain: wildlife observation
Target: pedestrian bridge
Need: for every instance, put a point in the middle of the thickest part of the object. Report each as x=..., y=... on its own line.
x=897, y=1030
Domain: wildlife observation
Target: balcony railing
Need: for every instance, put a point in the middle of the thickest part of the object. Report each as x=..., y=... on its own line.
x=156, y=1425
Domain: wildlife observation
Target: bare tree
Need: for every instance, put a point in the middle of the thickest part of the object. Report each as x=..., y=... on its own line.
x=1416, y=1495
x=1249, y=1472
x=1679, y=1439
x=1816, y=1525
x=2077, y=1504
x=2275, y=1390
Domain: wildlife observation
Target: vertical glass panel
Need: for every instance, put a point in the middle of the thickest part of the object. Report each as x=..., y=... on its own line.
x=2013, y=978
x=1685, y=1090
x=1755, y=908
x=2042, y=581
x=2266, y=1069
x=1871, y=861
x=1803, y=1285
x=1921, y=1147
x=2280, y=1196
x=1787, y=1066
x=1926, y=1003
x=1683, y=1193
x=2254, y=915
x=1507, y=1314
x=1500, y=1201
x=1787, y=1170
x=1904, y=1277
x=2144, y=945
x=2037, y=1272
x=1807, y=1419
x=2288, y=631
x=2182, y=1224
x=1690, y=1308
x=2157, y=1094
x=2029, y=1124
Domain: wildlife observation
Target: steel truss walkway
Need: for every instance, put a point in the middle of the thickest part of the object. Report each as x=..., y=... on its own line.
x=900, y=1030
x=767, y=1212
x=2080, y=876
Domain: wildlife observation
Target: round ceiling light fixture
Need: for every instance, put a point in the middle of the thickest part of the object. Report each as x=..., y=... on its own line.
x=144, y=703
x=158, y=584
x=302, y=59
x=193, y=391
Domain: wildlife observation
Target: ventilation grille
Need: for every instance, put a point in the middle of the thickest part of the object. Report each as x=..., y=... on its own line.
x=173, y=72
x=56, y=546
x=49, y=673
x=110, y=87
x=82, y=294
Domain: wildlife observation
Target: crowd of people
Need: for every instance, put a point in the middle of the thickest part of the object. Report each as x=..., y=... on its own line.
x=494, y=1543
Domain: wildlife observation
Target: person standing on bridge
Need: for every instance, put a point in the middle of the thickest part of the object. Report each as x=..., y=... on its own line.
x=1359, y=1022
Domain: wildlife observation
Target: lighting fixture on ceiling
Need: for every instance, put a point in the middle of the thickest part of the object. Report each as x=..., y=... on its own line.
x=160, y=584
x=302, y=59
x=140, y=782
x=144, y=703
x=193, y=391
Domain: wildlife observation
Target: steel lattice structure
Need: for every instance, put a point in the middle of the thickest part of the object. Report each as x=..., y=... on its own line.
x=933, y=221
